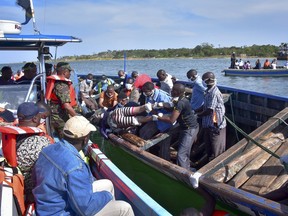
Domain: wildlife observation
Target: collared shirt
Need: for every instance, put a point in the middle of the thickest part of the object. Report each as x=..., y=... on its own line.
x=85, y=88
x=63, y=183
x=213, y=99
x=197, y=98
x=160, y=96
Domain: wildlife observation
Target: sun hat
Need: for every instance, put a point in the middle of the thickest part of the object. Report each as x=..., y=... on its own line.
x=77, y=127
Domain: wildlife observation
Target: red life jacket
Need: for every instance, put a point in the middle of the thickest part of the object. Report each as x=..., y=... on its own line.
x=9, y=135
x=50, y=95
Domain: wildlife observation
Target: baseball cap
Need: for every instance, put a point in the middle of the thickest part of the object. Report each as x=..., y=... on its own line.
x=64, y=65
x=77, y=127
x=28, y=110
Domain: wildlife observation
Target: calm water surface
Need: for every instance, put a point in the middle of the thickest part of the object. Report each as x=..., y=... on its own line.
x=179, y=67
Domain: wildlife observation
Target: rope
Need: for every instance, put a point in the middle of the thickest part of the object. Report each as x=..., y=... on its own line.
x=250, y=138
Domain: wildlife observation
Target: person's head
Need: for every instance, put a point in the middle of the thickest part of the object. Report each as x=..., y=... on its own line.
x=148, y=89
x=19, y=72
x=134, y=74
x=104, y=79
x=192, y=74
x=77, y=130
x=29, y=70
x=110, y=91
x=177, y=90
x=122, y=99
x=6, y=73
x=48, y=69
x=29, y=114
x=129, y=83
x=161, y=74
x=44, y=109
x=89, y=79
x=209, y=79
x=121, y=74
x=64, y=69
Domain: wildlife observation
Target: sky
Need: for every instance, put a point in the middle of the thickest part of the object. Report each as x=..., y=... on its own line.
x=152, y=24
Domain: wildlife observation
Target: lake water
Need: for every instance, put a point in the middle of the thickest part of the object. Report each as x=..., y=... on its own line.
x=179, y=67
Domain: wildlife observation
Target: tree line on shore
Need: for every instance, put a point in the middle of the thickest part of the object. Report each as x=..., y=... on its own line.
x=200, y=51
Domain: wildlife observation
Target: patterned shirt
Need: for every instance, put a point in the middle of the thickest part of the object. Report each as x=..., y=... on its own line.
x=213, y=99
x=28, y=150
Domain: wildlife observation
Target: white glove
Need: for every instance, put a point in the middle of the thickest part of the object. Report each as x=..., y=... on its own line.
x=148, y=107
x=160, y=114
x=194, y=179
x=158, y=105
x=105, y=108
x=155, y=117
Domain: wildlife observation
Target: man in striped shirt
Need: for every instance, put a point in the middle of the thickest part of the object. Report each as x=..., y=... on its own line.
x=213, y=120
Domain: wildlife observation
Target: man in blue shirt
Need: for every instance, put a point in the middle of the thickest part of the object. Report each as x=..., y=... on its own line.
x=64, y=184
x=154, y=95
x=197, y=98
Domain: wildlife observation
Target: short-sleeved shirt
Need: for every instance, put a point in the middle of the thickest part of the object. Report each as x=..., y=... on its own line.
x=28, y=150
x=61, y=90
x=108, y=102
x=213, y=99
x=187, y=118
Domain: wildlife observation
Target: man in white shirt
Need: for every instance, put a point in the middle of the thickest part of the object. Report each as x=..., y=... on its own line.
x=165, y=81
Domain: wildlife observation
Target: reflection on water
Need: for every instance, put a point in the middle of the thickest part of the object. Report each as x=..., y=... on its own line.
x=179, y=67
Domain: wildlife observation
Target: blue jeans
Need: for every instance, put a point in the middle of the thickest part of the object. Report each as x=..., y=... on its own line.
x=186, y=139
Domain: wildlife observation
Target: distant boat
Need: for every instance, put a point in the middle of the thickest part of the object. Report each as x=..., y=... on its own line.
x=281, y=72
x=283, y=52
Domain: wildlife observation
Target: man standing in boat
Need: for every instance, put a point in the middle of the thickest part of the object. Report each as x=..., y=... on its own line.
x=213, y=120
x=189, y=127
x=61, y=97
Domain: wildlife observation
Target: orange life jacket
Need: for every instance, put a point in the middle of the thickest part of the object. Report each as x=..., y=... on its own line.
x=50, y=95
x=9, y=135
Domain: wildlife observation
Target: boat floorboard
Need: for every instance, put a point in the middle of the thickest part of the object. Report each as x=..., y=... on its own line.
x=255, y=170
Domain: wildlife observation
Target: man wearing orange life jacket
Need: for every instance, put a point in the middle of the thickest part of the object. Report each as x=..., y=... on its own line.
x=61, y=97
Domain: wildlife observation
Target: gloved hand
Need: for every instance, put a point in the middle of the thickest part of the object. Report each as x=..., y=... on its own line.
x=148, y=107
x=105, y=108
x=160, y=114
x=155, y=117
x=158, y=105
x=194, y=179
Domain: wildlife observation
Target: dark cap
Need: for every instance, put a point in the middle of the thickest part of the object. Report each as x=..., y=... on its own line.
x=28, y=110
x=29, y=65
x=64, y=65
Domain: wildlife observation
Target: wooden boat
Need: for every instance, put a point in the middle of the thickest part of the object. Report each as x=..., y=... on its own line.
x=102, y=167
x=257, y=114
x=279, y=72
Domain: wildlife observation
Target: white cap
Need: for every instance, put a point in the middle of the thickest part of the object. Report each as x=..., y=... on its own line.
x=77, y=127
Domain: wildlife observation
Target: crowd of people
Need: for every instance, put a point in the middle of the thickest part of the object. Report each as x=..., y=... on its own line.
x=136, y=105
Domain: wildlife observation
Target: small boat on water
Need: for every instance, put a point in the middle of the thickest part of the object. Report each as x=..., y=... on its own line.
x=263, y=117
x=279, y=72
x=13, y=95
x=283, y=52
